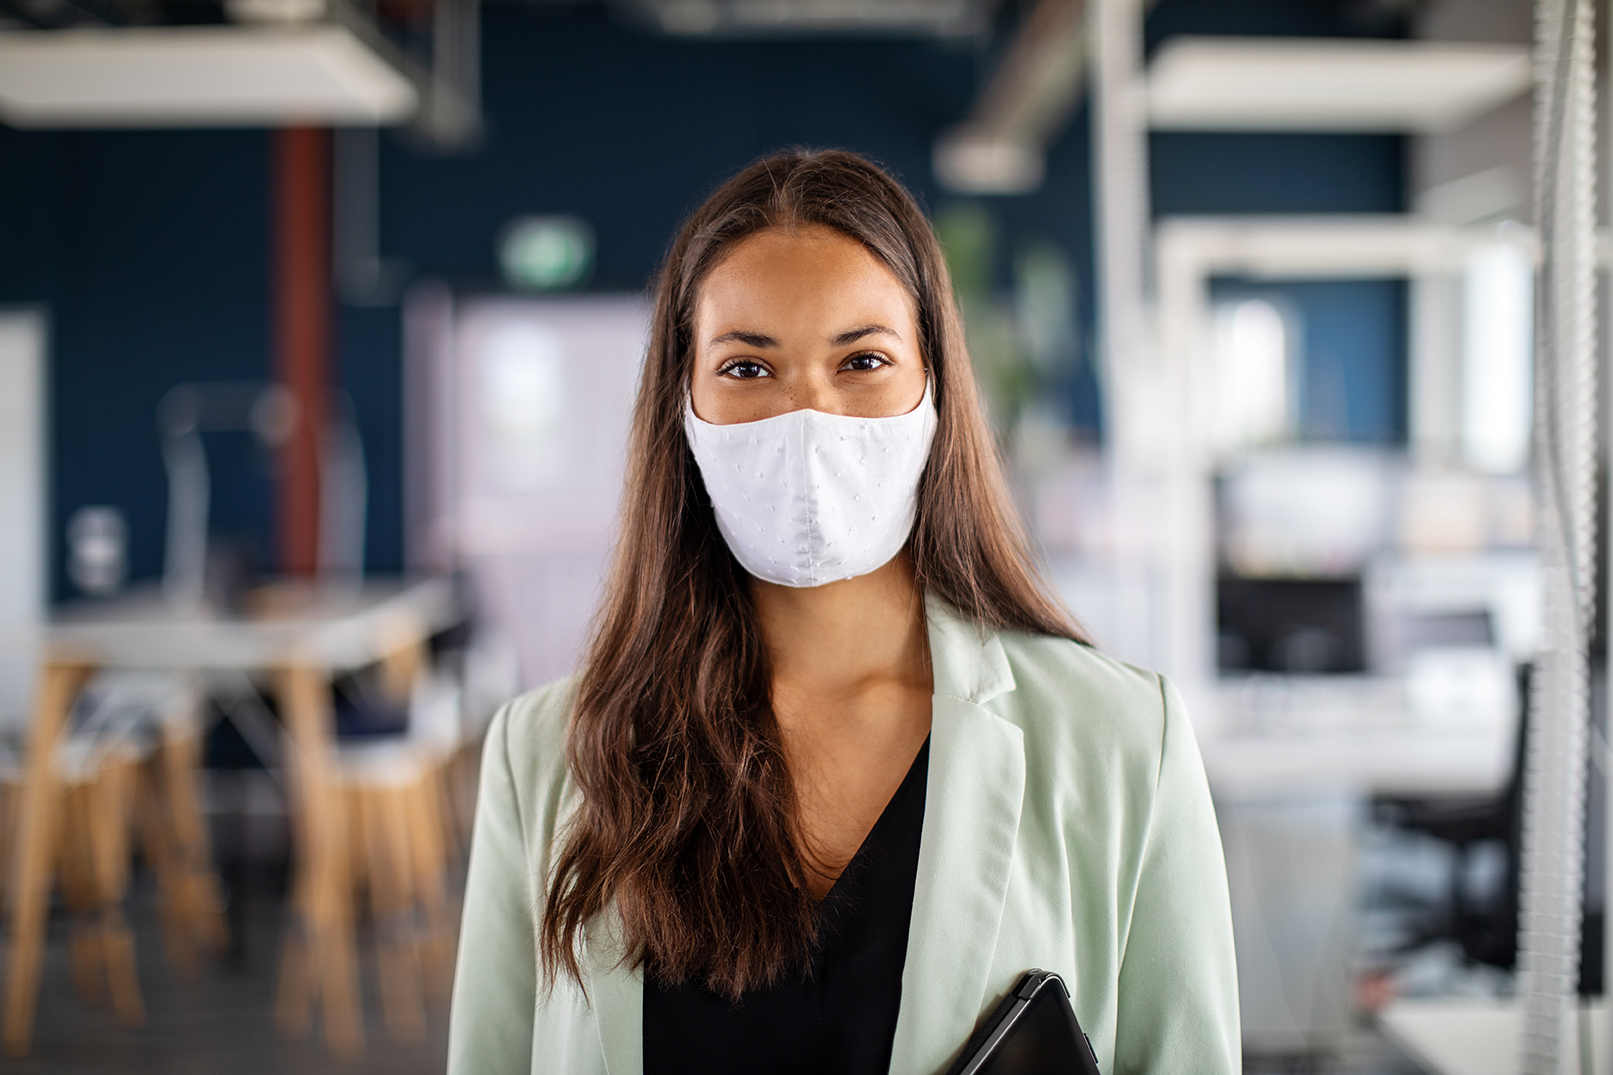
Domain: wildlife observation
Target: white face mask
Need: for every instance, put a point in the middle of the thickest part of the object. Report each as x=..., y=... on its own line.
x=806, y=498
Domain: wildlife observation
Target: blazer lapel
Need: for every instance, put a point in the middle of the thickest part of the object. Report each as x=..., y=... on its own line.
x=974, y=793
x=616, y=994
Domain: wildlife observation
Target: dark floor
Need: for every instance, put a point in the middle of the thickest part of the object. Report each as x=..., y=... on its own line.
x=222, y=1022
x=1366, y=1052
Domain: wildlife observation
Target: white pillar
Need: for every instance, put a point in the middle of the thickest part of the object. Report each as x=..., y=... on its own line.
x=1164, y=542
x=23, y=507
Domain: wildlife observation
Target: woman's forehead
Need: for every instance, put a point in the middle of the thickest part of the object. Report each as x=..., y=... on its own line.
x=801, y=280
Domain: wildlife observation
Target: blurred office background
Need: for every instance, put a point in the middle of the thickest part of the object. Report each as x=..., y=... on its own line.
x=355, y=295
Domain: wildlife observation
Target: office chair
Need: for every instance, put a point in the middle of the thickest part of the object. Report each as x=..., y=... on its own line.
x=1487, y=929
x=269, y=412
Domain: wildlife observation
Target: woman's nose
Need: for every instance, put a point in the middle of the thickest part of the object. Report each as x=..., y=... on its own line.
x=812, y=392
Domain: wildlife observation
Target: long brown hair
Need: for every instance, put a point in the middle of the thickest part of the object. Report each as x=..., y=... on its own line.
x=688, y=818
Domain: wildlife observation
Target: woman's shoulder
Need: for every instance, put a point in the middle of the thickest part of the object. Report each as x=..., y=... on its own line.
x=1076, y=664
x=529, y=735
x=1074, y=694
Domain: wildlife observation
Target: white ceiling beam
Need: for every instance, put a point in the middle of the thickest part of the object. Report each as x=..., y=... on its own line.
x=199, y=76
x=1221, y=83
x=1329, y=84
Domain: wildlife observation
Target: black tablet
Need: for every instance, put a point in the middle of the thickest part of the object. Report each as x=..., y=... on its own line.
x=1032, y=1032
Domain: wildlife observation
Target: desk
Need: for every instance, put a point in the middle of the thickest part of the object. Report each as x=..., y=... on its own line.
x=301, y=636
x=1473, y=1036
x=1292, y=733
x=1291, y=759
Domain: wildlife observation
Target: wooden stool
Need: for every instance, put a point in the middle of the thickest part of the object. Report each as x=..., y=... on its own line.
x=374, y=827
x=10, y=810
x=93, y=856
x=399, y=859
x=71, y=816
x=173, y=837
x=318, y=962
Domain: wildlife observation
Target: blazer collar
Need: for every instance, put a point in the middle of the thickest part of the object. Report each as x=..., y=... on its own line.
x=966, y=661
x=974, y=791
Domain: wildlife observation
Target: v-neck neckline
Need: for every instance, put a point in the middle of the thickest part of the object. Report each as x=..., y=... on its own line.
x=839, y=1011
x=842, y=891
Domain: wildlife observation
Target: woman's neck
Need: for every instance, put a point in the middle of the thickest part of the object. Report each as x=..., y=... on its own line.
x=852, y=696
x=842, y=639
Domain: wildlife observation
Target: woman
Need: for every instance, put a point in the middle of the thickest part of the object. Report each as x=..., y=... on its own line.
x=836, y=770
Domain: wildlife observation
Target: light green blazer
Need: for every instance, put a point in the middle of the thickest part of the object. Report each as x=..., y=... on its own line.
x=1067, y=826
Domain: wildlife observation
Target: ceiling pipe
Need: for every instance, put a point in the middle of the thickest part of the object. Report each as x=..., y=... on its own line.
x=450, y=116
x=1000, y=148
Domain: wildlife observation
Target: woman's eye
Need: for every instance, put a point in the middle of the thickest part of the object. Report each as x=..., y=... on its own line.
x=864, y=363
x=744, y=371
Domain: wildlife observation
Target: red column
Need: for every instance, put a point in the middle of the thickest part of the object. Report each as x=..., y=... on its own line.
x=301, y=191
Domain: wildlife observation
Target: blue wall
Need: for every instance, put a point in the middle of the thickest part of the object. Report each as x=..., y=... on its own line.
x=1276, y=18
x=150, y=248
x=1353, y=333
x=1204, y=172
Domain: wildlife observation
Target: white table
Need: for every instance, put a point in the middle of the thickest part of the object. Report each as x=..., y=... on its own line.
x=339, y=628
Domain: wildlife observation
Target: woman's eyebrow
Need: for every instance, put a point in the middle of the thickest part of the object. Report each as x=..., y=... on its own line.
x=853, y=335
x=749, y=339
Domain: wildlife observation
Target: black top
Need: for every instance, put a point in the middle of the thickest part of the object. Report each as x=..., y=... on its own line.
x=841, y=1016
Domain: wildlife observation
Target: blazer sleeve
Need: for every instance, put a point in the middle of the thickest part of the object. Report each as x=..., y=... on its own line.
x=495, y=980
x=1178, y=987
